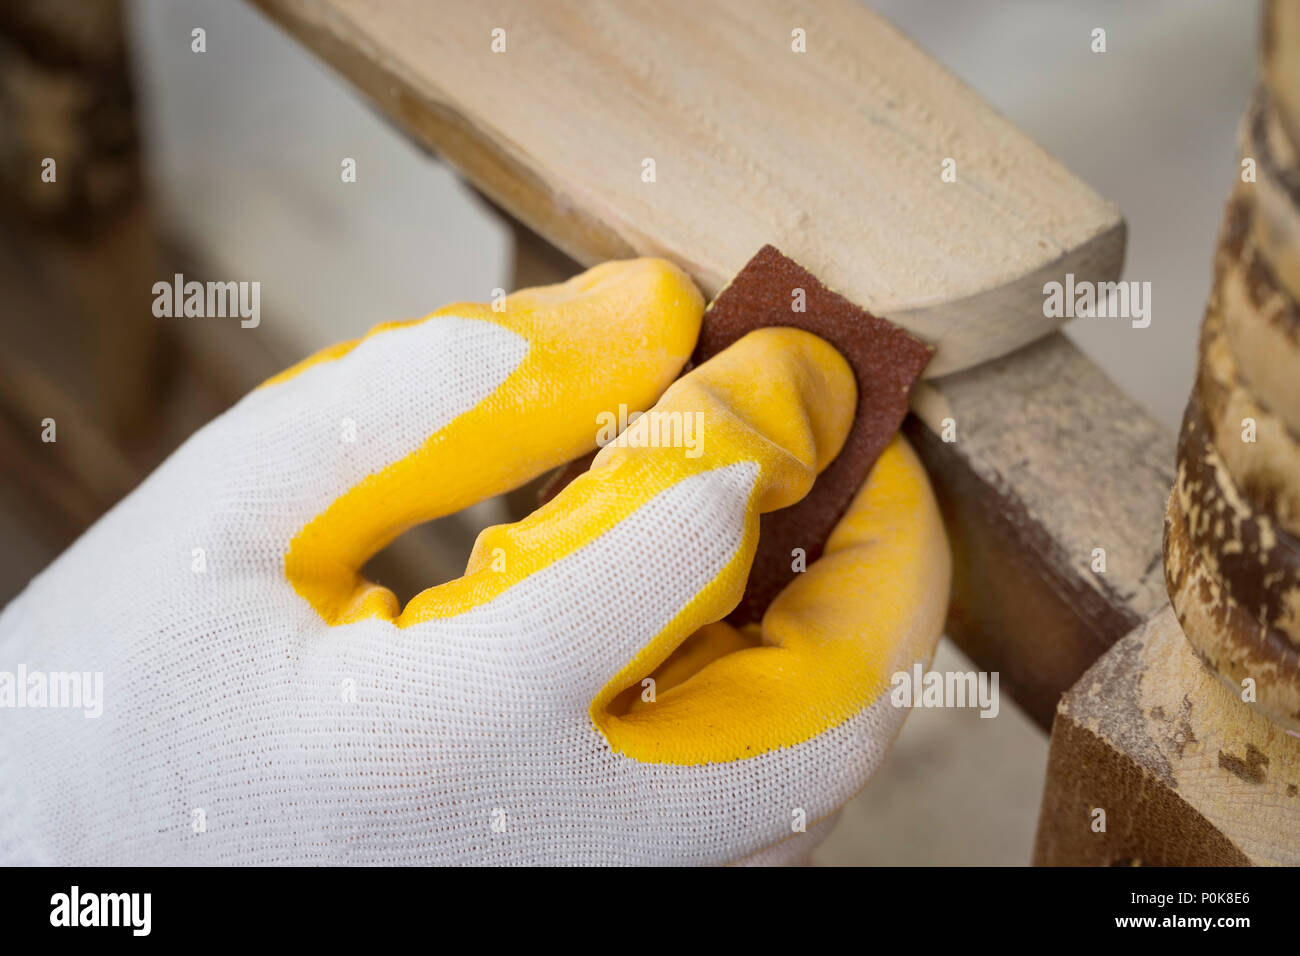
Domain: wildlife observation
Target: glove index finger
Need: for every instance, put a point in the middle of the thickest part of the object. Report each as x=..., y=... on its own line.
x=616, y=334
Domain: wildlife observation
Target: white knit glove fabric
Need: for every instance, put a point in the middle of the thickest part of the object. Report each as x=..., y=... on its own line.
x=239, y=727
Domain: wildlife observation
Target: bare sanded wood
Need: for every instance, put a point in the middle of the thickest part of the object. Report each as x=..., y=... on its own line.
x=1050, y=463
x=1186, y=773
x=835, y=155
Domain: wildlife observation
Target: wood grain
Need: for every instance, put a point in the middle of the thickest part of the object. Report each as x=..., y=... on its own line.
x=1266, y=470
x=1260, y=309
x=1188, y=775
x=833, y=155
x=1274, y=196
x=1051, y=462
x=1232, y=561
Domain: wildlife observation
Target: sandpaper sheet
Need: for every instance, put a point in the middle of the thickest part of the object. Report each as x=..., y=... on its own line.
x=886, y=361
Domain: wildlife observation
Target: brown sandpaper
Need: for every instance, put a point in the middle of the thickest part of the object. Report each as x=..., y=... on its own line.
x=886, y=361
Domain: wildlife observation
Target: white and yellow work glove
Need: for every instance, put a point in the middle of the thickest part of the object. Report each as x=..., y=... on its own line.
x=266, y=704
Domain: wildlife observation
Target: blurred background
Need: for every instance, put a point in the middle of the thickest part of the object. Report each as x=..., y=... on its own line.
x=226, y=165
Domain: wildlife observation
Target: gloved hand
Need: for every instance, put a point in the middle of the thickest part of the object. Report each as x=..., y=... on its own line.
x=266, y=704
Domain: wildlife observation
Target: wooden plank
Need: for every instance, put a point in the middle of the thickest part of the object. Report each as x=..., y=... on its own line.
x=1050, y=463
x=834, y=155
x=1186, y=773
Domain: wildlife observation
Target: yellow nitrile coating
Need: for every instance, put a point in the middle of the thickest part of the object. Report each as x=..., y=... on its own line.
x=873, y=604
x=617, y=333
x=781, y=398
